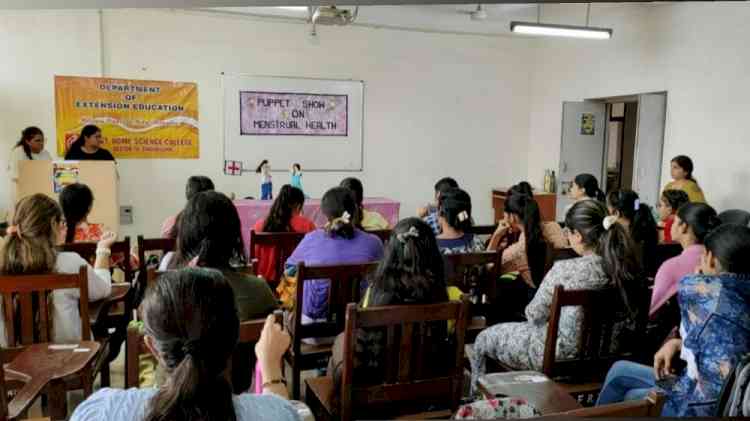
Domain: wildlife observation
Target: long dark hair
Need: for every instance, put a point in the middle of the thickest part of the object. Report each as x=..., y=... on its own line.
x=358, y=190
x=87, y=131
x=730, y=244
x=209, y=231
x=526, y=208
x=700, y=217
x=412, y=269
x=26, y=135
x=455, y=206
x=194, y=185
x=642, y=223
x=192, y=318
x=590, y=185
x=684, y=162
x=31, y=250
x=76, y=201
x=444, y=184
x=260, y=166
x=335, y=202
x=619, y=257
x=280, y=216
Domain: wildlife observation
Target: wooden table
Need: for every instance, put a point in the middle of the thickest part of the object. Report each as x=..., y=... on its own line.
x=539, y=391
x=547, y=204
x=118, y=294
x=46, y=365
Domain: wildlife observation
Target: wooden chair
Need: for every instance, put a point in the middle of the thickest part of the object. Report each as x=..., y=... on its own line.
x=345, y=283
x=584, y=374
x=384, y=235
x=477, y=275
x=26, y=313
x=283, y=242
x=650, y=406
x=483, y=229
x=113, y=315
x=162, y=245
x=407, y=387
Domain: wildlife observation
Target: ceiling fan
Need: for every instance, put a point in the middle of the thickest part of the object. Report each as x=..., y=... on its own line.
x=478, y=14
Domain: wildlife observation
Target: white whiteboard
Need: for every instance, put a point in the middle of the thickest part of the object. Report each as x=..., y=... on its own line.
x=313, y=153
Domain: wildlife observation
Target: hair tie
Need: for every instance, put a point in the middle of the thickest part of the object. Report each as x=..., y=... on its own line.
x=13, y=230
x=193, y=263
x=191, y=347
x=463, y=216
x=636, y=204
x=404, y=236
x=608, y=221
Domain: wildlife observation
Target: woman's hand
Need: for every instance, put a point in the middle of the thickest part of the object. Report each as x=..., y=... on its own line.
x=663, y=358
x=503, y=227
x=108, y=238
x=422, y=212
x=273, y=343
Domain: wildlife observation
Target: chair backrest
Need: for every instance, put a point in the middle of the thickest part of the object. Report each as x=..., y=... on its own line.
x=87, y=250
x=384, y=235
x=283, y=242
x=163, y=245
x=662, y=253
x=735, y=216
x=406, y=373
x=469, y=271
x=345, y=287
x=650, y=406
x=22, y=295
x=600, y=309
x=482, y=229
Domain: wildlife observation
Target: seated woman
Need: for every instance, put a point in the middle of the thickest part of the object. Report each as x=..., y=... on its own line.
x=681, y=171
x=366, y=220
x=528, y=255
x=210, y=236
x=607, y=260
x=585, y=187
x=340, y=242
x=195, y=185
x=29, y=248
x=192, y=328
x=637, y=218
x=410, y=273
x=692, y=222
x=670, y=202
x=429, y=213
x=285, y=216
x=714, y=333
x=454, y=216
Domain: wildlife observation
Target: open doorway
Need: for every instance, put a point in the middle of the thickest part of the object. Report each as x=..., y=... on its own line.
x=618, y=139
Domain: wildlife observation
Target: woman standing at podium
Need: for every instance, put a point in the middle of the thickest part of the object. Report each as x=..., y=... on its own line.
x=88, y=146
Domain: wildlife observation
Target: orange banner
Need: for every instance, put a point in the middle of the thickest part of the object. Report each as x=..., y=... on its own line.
x=138, y=118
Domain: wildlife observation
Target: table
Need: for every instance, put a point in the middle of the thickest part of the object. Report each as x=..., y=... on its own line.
x=46, y=365
x=250, y=211
x=539, y=391
x=547, y=204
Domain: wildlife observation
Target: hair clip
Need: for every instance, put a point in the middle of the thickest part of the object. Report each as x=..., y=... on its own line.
x=412, y=233
x=463, y=216
x=13, y=230
x=637, y=204
x=608, y=222
x=345, y=217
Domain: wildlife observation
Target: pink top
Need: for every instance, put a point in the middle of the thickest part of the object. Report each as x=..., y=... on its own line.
x=670, y=273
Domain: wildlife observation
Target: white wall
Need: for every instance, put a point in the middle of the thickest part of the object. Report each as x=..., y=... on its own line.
x=435, y=105
x=697, y=52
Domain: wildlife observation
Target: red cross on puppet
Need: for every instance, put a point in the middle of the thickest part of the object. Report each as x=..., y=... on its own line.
x=233, y=167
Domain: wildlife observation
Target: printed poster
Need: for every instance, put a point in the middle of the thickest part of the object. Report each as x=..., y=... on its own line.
x=64, y=174
x=139, y=118
x=587, y=124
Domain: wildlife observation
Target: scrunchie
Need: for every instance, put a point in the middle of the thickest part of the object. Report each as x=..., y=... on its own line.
x=412, y=233
x=14, y=230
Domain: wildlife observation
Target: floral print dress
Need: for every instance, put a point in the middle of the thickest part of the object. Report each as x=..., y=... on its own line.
x=715, y=331
x=521, y=344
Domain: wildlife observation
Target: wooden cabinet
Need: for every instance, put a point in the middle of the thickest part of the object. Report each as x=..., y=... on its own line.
x=547, y=204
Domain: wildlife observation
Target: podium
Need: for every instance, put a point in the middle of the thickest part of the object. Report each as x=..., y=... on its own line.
x=100, y=176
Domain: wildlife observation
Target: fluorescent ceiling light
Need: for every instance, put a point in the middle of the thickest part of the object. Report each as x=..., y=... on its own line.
x=544, y=29
x=293, y=8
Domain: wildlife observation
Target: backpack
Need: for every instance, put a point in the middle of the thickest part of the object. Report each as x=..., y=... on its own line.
x=734, y=401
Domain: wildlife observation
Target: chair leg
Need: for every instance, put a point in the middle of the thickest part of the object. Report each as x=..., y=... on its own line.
x=57, y=400
x=87, y=381
x=104, y=373
x=295, y=381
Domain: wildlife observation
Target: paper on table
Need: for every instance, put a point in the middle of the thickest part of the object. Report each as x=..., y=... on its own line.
x=61, y=347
